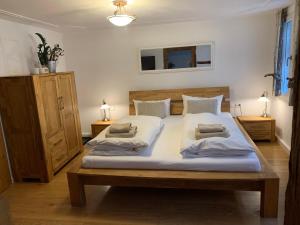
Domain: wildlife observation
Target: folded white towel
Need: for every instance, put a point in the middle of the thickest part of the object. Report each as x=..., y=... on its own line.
x=211, y=128
x=110, y=150
x=130, y=134
x=200, y=135
x=149, y=128
x=120, y=128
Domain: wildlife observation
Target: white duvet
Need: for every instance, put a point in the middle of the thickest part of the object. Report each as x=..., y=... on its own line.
x=148, y=128
x=164, y=154
x=235, y=145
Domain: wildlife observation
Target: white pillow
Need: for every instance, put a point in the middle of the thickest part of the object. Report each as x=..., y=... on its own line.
x=202, y=106
x=186, y=98
x=167, y=103
x=152, y=109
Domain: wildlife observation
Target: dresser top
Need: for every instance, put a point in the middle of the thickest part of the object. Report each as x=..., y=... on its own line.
x=32, y=75
x=254, y=118
x=101, y=122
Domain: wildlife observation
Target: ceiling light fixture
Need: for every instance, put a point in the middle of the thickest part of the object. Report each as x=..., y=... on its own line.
x=120, y=17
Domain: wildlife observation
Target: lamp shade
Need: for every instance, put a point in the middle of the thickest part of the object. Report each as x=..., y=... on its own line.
x=105, y=106
x=264, y=97
x=121, y=20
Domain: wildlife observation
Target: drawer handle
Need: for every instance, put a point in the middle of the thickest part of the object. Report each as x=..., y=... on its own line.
x=56, y=143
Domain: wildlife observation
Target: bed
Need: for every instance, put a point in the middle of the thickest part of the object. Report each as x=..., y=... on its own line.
x=175, y=173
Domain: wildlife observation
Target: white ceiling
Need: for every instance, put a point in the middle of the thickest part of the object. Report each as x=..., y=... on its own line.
x=93, y=13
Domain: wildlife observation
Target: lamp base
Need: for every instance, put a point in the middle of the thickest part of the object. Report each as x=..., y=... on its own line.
x=105, y=117
x=265, y=115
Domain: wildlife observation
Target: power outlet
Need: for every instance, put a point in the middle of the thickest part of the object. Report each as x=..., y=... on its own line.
x=238, y=109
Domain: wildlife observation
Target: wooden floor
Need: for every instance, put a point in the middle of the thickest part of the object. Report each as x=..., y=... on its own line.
x=48, y=204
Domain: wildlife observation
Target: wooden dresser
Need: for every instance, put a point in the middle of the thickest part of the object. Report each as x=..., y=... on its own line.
x=5, y=179
x=259, y=128
x=41, y=123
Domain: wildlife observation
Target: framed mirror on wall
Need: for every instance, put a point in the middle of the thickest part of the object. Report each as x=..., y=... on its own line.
x=177, y=58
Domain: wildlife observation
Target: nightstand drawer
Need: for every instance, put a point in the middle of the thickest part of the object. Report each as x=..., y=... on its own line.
x=99, y=126
x=96, y=129
x=257, y=126
x=259, y=136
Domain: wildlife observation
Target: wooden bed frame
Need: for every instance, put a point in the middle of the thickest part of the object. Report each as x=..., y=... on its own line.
x=266, y=181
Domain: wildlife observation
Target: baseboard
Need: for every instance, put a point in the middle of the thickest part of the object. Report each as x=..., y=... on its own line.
x=284, y=144
x=86, y=134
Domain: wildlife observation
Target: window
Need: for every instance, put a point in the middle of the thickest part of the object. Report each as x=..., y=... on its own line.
x=286, y=55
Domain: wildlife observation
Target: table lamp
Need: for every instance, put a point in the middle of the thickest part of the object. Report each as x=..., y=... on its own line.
x=264, y=98
x=105, y=107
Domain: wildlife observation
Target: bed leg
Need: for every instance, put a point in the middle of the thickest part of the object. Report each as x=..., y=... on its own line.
x=76, y=190
x=269, y=198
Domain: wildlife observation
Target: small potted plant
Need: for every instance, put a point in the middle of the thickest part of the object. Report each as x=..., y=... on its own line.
x=48, y=56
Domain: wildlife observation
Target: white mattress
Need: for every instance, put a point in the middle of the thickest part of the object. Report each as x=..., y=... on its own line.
x=165, y=155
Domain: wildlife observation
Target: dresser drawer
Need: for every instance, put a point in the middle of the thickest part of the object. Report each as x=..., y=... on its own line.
x=59, y=157
x=59, y=151
x=56, y=140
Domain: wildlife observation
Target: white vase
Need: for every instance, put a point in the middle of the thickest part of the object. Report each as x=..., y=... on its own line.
x=52, y=66
x=44, y=70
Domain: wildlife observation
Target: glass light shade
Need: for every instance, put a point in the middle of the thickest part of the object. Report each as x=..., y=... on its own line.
x=105, y=106
x=263, y=99
x=121, y=20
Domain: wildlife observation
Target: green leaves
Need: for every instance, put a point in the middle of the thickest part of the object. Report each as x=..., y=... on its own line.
x=42, y=38
x=43, y=50
x=45, y=53
x=55, y=53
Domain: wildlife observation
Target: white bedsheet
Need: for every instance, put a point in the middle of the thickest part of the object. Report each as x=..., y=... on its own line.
x=165, y=154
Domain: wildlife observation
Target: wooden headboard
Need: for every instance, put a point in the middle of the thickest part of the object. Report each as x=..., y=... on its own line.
x=176, y=97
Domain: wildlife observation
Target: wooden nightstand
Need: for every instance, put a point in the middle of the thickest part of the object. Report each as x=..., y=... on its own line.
x=99, y=126
x=259, y=128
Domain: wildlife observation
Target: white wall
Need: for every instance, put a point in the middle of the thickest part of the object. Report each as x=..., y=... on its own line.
x=18, y=47
x=280, y=109
x=106, y=61
x=283, y=113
